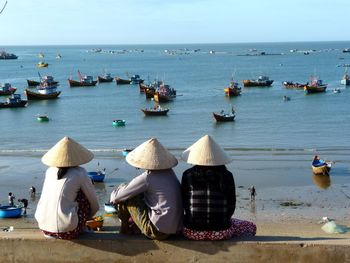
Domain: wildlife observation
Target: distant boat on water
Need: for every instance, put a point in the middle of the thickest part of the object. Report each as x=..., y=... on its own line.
x=45, y=91
x=316, y=86
x=7, y=89
x=233, y=89
x=261, y=81
x=105, y=78
x=84, y=81
x=42, y=64
x=294, y=85
x=5, y=55
x=14, y=102
x=224, y=117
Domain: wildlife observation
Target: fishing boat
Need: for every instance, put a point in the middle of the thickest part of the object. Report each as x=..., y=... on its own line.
x=42, y=118
x=316, y=86
x=346, y=79
x=319, y=166
x=163, y=93
x=14, y=102
x=261, y=81
x=97, y=176
x=120, y=81
x=118, y=123
x=45, y=91
x=84, y=81
x=105, y=78
x=9, y=211
x=233, y=89
x=292, y=85
x=6, y=89
x=143, y=87
x=5, y=55
x=135, y=79
x=42, y=64
x=224, y=117
x=155, y=111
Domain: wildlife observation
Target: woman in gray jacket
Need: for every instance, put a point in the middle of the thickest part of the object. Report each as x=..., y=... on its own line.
x=152, y=201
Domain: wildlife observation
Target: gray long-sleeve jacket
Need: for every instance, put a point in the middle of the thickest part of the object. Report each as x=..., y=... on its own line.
x=162, y=193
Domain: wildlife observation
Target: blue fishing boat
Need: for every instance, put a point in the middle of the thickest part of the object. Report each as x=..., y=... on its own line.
x=8, y=211
x=97, y=176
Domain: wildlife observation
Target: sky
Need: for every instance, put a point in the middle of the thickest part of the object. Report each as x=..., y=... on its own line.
x=69, y=22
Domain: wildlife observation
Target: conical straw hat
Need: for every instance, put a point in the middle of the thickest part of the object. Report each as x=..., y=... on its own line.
x=67, y=153
x=151, y=155
x=205, y=152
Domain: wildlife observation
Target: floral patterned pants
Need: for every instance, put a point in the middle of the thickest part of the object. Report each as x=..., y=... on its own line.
x=239, y=228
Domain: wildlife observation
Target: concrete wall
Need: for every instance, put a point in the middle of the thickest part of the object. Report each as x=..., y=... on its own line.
x=118, y=248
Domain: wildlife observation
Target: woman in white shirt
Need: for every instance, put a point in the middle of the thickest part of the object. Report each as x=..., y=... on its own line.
x=68, y=198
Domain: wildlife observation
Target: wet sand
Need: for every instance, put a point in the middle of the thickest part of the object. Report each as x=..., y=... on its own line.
x=299, y=205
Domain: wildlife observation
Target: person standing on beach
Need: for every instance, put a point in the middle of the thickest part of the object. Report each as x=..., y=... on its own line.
x=11, y=199
x=32, y=191
x=151, y=201
x=68, y=198
x=209, y=194
x=252, y=193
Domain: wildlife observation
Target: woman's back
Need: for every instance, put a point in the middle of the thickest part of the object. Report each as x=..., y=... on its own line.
x=209, y=197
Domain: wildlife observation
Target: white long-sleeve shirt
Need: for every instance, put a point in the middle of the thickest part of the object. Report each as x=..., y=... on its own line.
x=57, y=210
x=162, y=194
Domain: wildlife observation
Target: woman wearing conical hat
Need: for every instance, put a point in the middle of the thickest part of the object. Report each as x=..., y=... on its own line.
x=152, y=200
x=68, y=198
x=209, y=194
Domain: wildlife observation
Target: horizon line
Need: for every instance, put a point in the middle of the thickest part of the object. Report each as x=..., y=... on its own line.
x=155, y=44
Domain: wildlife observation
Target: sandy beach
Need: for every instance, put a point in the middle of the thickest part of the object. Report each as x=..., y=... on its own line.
x=280, y=210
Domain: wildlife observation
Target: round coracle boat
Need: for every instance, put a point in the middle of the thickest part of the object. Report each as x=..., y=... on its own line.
x=8, y=211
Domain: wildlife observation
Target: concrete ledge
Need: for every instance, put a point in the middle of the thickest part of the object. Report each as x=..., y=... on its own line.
x=30, y=246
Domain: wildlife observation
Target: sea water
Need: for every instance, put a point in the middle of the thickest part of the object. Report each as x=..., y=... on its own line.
x=271, y=142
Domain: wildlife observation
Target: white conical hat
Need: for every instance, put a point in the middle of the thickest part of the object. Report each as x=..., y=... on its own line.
x=67, y=153
x=151, y=155
x=205, y=151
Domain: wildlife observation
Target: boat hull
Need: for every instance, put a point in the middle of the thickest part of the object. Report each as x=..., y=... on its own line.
x=232, y=92
x=120, y=81
x=97, y=176
x=10, y=211
x=74, y=83
x=316, y=89
x=38, y=96
x=324, y=169
x=291, y=85
x=252, y=83
x=104, y=80
x=20, y=104
x=162, y=98
x=150, y=112
x=223, y=118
